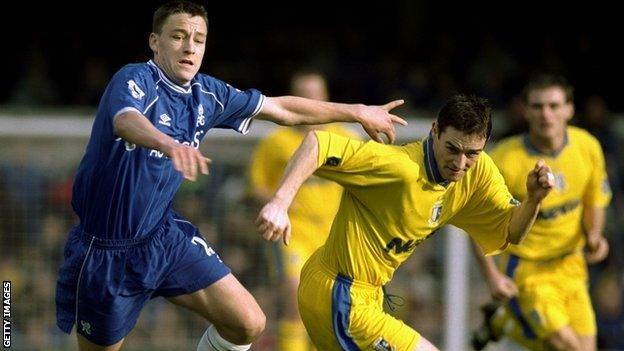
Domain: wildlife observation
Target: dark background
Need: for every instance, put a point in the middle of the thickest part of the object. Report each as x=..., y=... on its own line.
x=422, y=51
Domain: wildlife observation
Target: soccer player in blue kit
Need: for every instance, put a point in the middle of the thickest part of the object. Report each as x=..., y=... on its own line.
x=130, y=246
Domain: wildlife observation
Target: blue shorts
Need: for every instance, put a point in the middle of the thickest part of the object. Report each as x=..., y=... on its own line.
x=104, y=284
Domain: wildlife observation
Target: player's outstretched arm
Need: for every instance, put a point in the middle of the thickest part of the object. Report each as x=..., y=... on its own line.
x=501, y=286
x=135, y=128
x=273, y=222
x=594, y=218
x=539, y=183
x=293, y=110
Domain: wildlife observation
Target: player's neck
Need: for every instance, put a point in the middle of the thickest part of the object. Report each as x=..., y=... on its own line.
x=548, y=145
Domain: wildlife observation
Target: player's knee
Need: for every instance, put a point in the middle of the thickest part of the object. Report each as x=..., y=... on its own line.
x=252, y=325
x=244, y=327
x=564, y=340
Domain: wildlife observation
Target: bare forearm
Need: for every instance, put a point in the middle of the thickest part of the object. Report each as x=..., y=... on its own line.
x=501, y=287
x=293, y=110
x=137, y=129
x=486, y=264
x=522, y=220
x=300, y=167
x=594, y=221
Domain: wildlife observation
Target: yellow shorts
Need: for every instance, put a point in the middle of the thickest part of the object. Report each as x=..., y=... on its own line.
x=552, y=294
x=342, y=314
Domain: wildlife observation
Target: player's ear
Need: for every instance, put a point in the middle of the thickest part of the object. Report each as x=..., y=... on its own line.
x=153, y=42
x=434, y=128
x=570, y=107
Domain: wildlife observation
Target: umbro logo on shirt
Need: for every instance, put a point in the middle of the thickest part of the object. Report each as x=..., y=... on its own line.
x=165, y=120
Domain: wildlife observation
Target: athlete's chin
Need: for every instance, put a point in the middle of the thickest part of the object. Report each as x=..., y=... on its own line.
x=454, y=176
x=185, y=76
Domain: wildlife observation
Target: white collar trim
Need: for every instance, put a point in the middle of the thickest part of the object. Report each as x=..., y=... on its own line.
x=176, y=87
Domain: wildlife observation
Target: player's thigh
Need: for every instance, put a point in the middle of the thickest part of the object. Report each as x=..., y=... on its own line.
x=315, y=307
x=201, y=282
x=588, y=343
x=564, y=339
x=373, y=329
x=541, y=310
x=581, y=312
x=225, y=303
x=86, y=345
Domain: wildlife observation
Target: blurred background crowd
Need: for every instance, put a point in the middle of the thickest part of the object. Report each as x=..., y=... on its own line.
x=58, y=63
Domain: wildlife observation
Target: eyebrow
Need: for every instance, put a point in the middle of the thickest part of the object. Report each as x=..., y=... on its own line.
x=550, y=103
x=448, y=143
x=185, y=32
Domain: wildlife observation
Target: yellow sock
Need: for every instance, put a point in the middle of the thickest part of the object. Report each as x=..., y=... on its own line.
x=292, y=336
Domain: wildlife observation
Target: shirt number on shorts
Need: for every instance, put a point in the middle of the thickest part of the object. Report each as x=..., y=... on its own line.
x=199, y=241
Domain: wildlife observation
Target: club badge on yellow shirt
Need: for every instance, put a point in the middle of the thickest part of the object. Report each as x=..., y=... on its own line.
x=436, y=213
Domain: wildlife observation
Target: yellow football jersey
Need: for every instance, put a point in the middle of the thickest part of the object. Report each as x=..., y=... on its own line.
x=316, y=203
x=395, y=198
x=580, y=180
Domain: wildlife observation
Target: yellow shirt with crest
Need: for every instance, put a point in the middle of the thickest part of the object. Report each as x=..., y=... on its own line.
x=580, y=180
x=395, y=198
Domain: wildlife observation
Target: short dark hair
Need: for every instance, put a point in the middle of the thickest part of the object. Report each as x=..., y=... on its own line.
x=467, y=114
x=174, y=7
x=544, y=81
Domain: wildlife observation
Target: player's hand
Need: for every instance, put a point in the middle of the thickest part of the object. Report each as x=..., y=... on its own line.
x=502, y=287
x=377, y=120
x=273, y=222
x=187, y=160
x=597, y=249
x=540, y=181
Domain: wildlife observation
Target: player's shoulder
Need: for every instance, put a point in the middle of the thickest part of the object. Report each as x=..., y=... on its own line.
x=506, y=147
x=584, y=142
x=581, y=136
x=510, y=143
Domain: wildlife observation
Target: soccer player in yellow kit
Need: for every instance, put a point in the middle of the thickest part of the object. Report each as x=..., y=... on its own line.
x=394, y=198
x=544, y=281
x=312, y=211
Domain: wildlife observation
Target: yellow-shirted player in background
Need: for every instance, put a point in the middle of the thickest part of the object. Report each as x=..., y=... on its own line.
x=544, y=280
x=394, y=198
x=311, y=213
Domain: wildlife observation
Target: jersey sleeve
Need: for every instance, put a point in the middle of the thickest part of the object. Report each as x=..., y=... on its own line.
x=346, y=161
x=598, y=192
x=487, y=213
x=236, y=107
x=129, y=89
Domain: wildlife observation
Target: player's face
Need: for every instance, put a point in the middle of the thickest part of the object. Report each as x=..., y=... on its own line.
x=548, y=112
x=179, y=48
x=311, y=86
x=455, y=152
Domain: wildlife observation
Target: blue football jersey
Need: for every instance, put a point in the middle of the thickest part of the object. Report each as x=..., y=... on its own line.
x=123, y=191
